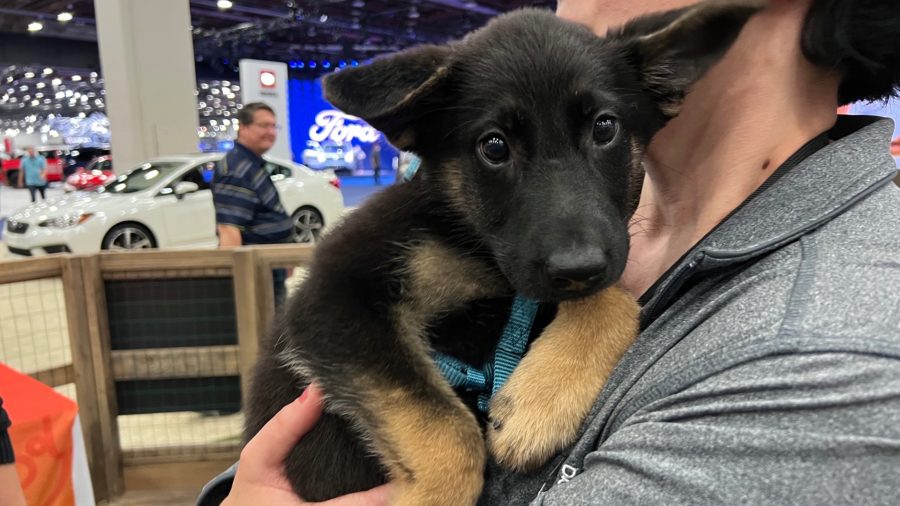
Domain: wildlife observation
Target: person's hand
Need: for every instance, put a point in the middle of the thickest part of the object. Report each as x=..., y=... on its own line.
x=260, y=477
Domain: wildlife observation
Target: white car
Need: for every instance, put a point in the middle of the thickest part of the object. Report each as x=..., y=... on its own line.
x=338, y=157
x=164, y=203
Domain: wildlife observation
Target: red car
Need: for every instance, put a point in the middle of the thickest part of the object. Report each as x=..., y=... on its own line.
x=54, y=166
x=96, y=174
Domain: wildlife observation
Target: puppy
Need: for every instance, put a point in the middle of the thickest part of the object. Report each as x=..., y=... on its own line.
x=531, y=132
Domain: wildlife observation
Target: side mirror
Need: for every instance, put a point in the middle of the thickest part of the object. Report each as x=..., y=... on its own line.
x=185, y=187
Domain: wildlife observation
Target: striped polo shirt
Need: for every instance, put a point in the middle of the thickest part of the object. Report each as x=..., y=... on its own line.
x=245, y=198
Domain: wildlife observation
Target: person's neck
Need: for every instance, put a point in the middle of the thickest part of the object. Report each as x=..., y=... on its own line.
x=739, y=124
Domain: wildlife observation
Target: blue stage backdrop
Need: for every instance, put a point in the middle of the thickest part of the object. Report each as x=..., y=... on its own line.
x=323, y=137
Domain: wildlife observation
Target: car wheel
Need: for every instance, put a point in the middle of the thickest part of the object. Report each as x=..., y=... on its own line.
x=12, y=178
x=127, y=236
x=308, y=225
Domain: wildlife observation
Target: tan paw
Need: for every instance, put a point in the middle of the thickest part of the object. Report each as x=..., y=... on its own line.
x=539, y=410
x=532, y=420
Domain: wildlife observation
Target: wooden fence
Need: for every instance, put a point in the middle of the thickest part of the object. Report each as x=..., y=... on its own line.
x=96, y=368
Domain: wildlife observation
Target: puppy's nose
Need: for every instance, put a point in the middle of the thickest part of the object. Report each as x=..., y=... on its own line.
x=574, y=271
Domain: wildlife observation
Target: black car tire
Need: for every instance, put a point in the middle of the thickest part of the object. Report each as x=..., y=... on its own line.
x=127, y=236
x=12, y=178
x=308, y=224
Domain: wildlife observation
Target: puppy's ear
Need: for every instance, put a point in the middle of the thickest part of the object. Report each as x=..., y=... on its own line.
x=388, y=92
x=676, y=48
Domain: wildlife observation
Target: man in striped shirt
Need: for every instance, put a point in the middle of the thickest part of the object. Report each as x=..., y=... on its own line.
x=248, y=210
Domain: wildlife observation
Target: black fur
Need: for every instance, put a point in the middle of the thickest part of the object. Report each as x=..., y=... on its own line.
x=560, y=199
x=859, y=38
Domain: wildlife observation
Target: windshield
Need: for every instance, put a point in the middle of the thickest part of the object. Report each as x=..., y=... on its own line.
x=141, y=178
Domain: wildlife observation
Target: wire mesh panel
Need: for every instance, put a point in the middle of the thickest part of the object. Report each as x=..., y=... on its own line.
x=165, y=313
x=34, y=337
x=174, y=358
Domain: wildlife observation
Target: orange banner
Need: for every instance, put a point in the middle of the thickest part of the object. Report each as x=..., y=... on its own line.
x=41, y=433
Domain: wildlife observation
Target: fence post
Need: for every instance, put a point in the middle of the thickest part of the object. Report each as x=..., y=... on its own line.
x=94, y=303
x=85, y=381
x=250, y=323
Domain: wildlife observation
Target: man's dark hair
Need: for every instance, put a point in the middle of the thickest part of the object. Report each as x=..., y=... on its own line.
x=859, y=38
x=246, y=113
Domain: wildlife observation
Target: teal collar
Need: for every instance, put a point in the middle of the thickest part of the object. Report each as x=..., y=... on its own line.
x=490, y=376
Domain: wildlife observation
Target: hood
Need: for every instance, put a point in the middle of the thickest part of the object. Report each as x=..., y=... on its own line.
x=72, y=204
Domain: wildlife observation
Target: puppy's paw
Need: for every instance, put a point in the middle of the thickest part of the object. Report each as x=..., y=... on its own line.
x=540, y=409
x=532, y=418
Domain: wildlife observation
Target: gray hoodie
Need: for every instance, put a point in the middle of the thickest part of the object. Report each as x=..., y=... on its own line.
x=769, y=368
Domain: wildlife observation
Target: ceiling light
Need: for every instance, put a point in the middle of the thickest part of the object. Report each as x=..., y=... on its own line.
x=48, y=70
x=29, y=75
x=56, y=82
x=35, y=26
x=76, y=78
x=224, y=4
x=323, y=18
x=64, y=17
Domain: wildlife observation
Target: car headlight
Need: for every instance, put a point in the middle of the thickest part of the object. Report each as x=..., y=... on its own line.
x=66, y=221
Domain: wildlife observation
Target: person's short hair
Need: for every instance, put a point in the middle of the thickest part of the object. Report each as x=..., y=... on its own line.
x=859, y=38
x=246, y=113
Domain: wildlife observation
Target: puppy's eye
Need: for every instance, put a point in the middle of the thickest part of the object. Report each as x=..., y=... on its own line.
x=494, y=148
x=605, y=128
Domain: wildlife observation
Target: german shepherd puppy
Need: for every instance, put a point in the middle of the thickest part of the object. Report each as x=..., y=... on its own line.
x=531, y=132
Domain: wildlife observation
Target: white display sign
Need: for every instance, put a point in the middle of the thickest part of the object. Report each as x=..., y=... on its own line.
x=267, y=82
x=333, y=125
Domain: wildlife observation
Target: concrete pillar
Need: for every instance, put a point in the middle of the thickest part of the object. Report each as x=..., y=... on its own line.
x=147, y=57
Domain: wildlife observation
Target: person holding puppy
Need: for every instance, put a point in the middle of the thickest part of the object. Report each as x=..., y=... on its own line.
x=766, y=255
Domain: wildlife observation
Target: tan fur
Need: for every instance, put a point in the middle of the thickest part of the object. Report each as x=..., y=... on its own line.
x=442, y=279
x=635, y=176
x=452, y=175
x=432, y=448
x=540, y=409
x=432, y=445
